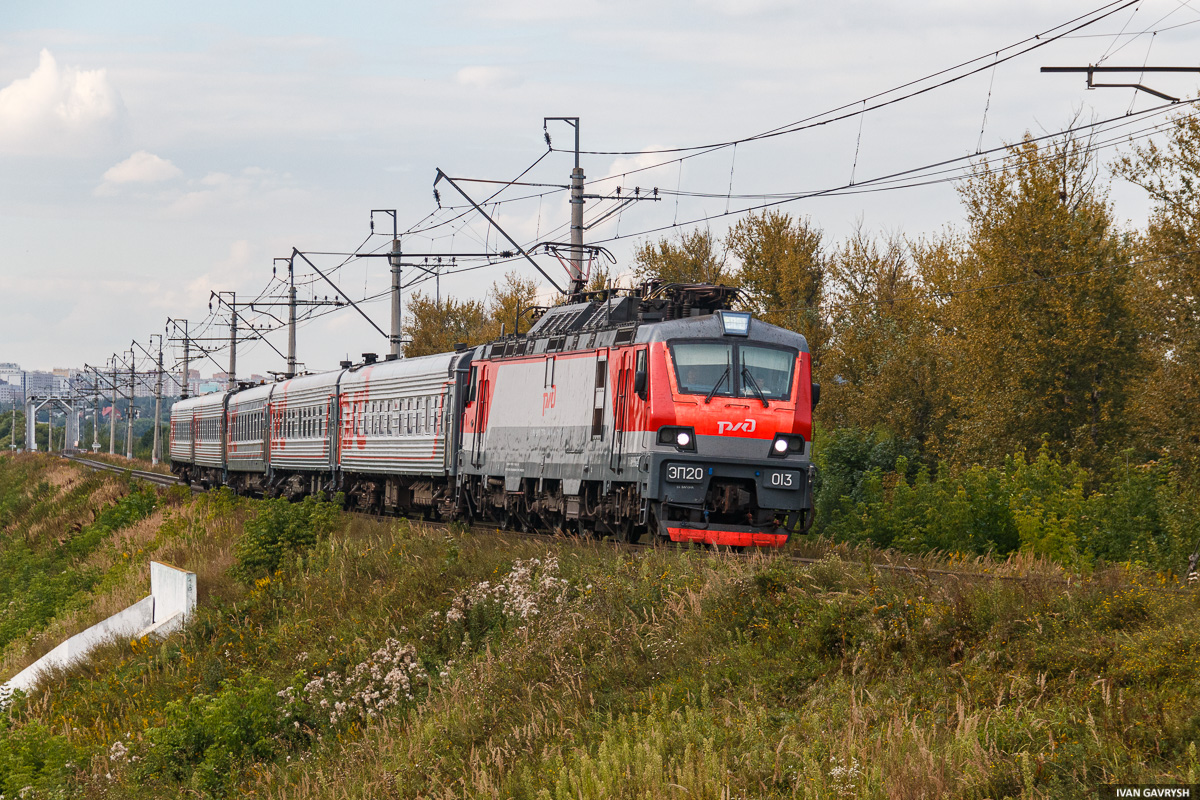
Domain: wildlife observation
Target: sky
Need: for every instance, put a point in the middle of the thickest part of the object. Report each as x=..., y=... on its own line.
x=151, y=154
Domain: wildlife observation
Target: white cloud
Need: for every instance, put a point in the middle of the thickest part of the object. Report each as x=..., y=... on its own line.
x=489, y=77
x=253, y=188
x=59, y=111
x=141, y=167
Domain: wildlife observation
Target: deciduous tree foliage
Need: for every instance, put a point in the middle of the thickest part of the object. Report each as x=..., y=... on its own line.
x=881, y=366
x=695, y=257
x=509, y=298
x=1040, y=337
x=435, y=327
x=782, y=270
x=1166, y=405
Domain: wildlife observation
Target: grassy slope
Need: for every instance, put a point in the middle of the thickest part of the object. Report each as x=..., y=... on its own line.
x=593, y=673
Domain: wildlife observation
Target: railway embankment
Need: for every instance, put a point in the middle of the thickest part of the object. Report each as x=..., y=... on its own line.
x=340, y=656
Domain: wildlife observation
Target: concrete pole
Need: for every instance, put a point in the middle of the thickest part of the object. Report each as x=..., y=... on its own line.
x=112, y=413
x=187, y=375
x=394, y=261
x=30, y=425
x=576, y=283
x=70, y=426
x=96, y=416
x=291, y=359
x=129, y=422
x=156, y=453
x=233, y=342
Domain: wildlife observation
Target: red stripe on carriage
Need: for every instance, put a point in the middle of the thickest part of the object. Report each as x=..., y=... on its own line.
x=729, y=538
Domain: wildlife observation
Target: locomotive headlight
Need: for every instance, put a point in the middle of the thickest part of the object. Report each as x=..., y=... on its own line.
x=785, y=443
x=679, y=436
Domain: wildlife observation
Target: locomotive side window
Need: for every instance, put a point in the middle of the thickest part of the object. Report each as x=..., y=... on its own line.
x=601, y=388
x=548, y=379
x=472, y=386
x=641, y=376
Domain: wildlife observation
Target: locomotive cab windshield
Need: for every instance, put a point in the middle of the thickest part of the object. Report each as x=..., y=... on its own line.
x=725, y=369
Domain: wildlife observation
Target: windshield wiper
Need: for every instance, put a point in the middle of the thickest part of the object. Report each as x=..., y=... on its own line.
x=717, y=385
x=754, y=385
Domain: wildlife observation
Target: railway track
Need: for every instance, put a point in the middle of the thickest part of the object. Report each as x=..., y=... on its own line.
x=157, y=478
x=914, y=571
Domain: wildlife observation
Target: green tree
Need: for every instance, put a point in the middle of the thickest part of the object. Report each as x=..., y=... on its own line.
x=783, y=271
x=1166, y=405
x=433, y=326
x=881, y=367
x=508, y=297
x=694, y=257
x=1043, y=340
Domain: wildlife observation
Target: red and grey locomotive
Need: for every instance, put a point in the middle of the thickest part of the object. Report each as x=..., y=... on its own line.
x=660, y=412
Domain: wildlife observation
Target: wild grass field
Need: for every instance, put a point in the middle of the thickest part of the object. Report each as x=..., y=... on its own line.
x=335, y=656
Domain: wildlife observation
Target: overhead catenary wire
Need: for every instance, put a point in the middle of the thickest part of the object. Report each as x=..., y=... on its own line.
x=913, y=171
x=951, y=173
x=1022, y=47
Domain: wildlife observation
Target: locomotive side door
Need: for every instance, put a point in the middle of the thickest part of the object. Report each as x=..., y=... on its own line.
x=621, y=410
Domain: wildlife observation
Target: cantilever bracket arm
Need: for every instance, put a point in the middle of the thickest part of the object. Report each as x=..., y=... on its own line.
x=296, y=252
x=443, y=176
x=1092, y=69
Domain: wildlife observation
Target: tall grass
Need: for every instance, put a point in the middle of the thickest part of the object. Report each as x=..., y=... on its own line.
x=389, y=659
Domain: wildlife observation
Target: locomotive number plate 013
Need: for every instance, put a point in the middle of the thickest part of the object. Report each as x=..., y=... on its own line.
x=684, y=473
x=781, y=479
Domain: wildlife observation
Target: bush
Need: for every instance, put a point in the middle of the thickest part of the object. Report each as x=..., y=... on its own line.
x=203, y=739
x=280, y=530
x=32, y=756
x=870, y=493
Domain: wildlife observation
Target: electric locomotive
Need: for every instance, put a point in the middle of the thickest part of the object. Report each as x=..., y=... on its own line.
x=660, y=412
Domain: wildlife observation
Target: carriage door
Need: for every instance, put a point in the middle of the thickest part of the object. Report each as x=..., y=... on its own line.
x=479, y=390
x=193, y=432
x=331, y=431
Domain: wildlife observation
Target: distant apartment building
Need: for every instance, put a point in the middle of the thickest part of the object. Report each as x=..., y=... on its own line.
x=39, y=383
